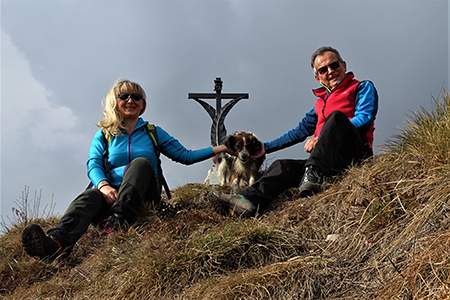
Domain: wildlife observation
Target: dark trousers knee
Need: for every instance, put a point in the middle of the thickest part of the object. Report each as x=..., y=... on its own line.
x=281, y=175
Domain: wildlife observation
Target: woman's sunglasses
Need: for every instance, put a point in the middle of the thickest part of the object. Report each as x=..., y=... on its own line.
x=332, y=66
x=126, y=97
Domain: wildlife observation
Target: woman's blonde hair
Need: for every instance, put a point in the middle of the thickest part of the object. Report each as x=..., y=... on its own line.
x=114, y=120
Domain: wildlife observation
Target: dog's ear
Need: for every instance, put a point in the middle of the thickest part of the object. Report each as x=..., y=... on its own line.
x=256, y=144
x=230, y=142
x=253, y=141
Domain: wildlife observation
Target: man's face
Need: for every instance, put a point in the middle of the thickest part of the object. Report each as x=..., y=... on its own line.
x=326, y=75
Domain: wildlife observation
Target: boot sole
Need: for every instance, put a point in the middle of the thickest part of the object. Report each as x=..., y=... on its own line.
x=33, y=241
x=218, y=205
x=229, y=208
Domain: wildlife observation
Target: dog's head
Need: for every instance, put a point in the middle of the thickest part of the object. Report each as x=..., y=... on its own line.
x=245, y=144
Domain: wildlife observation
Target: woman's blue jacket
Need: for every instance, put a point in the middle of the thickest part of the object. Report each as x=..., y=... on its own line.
x=124, y=148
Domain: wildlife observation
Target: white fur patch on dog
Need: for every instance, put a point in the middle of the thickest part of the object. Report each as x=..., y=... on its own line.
x=238, y=171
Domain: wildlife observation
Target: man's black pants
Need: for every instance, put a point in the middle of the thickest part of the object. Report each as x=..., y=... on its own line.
x=339, y=145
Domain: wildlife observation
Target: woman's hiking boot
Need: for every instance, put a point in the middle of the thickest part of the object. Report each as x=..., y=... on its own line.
x=39, y=245
x=112, y=225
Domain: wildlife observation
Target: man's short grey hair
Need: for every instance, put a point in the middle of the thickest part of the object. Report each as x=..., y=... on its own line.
x=321, y=51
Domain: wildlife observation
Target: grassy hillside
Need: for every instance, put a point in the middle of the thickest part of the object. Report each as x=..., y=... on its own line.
x=380, y=231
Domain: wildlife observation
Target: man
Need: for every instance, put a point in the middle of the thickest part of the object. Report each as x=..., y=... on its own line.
x=341, y=124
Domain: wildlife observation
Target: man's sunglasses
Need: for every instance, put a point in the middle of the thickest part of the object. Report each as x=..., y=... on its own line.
x=126, y=97
x=332, y=66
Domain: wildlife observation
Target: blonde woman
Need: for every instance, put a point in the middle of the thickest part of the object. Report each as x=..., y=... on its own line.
x=132, y=178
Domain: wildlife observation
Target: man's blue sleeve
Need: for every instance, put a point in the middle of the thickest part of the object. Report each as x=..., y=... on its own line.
x=366, y=107
x=296, y=135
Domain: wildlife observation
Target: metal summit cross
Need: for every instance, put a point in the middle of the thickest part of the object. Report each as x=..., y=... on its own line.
x=218, y=130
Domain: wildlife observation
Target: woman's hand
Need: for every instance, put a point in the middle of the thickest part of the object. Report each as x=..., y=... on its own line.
x=108, y=192
x=310, y=144
x=223, y=148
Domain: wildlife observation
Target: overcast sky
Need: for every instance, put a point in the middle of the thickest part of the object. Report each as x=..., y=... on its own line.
x=59, y=58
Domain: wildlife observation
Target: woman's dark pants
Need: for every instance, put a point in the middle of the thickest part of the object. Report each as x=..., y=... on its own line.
x=139, y=185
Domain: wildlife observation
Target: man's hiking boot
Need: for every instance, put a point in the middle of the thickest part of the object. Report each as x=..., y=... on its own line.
x=112, y=225
x=236, y=203
x=39, y=245
x=311, y=182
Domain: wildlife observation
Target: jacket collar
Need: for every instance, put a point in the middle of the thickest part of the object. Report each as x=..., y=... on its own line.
x=141, y=123
x=321, y=91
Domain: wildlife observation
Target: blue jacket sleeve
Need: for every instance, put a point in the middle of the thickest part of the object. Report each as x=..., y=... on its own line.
x=296, y=135
x=174, y=150
x=366, y=107
x=95, y=169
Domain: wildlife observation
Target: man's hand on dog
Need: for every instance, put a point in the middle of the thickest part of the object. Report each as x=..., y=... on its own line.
x=261, y=152
x=310, y=144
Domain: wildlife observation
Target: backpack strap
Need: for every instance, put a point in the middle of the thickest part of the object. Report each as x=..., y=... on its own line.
x=151, y=130
x=105, y=156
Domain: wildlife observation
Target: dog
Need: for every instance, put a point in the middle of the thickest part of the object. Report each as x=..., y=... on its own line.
x=241, y=170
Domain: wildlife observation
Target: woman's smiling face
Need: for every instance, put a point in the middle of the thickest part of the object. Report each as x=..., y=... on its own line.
x=130, y=108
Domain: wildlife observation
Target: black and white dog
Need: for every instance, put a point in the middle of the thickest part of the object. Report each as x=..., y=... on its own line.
x=241, y=170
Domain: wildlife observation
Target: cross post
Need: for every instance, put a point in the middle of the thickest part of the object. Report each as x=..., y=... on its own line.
x=218, y=130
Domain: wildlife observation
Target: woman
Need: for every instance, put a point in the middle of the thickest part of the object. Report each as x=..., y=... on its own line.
x=132, y=178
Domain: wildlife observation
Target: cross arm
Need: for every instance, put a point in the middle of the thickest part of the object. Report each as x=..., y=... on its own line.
x=214, y=96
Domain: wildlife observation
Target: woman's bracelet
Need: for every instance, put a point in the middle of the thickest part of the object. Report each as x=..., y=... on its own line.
x=103, y=185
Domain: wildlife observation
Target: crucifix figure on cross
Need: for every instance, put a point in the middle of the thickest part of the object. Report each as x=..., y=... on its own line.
x=218, y=130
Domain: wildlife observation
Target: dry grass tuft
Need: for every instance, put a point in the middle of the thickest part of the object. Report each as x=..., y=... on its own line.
x=379, y=231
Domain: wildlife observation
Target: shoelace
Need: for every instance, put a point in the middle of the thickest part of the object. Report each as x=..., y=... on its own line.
x=312, y=175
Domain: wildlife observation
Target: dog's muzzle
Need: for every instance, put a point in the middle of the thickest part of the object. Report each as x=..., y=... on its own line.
x=243, y=157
